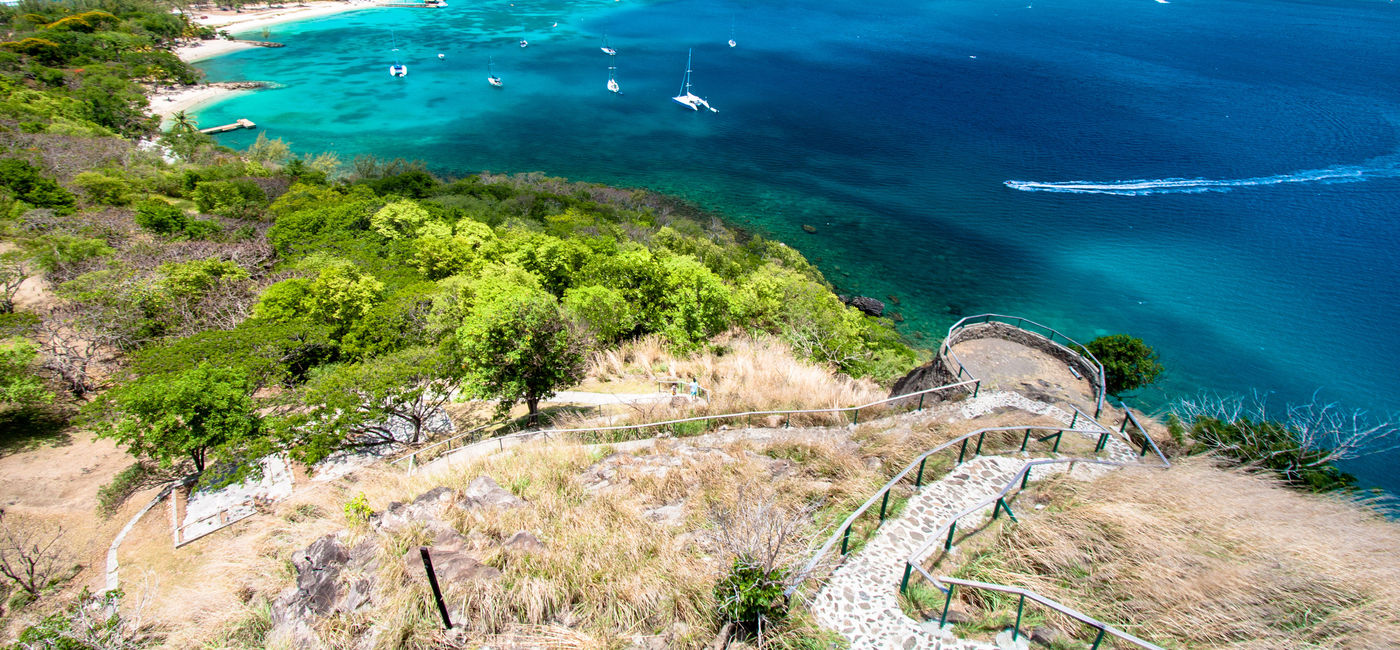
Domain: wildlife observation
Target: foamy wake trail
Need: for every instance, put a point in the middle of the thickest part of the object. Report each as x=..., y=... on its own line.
x=1388, y=167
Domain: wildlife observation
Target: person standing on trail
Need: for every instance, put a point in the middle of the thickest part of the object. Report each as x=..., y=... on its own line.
x=694, y=387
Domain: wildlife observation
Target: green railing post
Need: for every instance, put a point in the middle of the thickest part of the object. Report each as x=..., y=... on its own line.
x=921, y=400
x=1026, y=440
x=976, y=387
x=1016, y=630
x=1144, y=447
x=1001, y=505
x=980, y=436
x=788, y=423
x=1074, y=420
x=1098, y=409
x=845, y=539
x=948, y=543
x=943, y=620
x=883, y=503
x=1026, y=478
x=1097, y=640
x=1058, y=437
x=1103, y=442
x=1123, y=428
x=962, y=450
x=857, y=418
x=919, y=480
x=904, y=584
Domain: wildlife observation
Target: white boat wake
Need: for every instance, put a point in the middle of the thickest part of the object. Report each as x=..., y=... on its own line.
x=1387, y=167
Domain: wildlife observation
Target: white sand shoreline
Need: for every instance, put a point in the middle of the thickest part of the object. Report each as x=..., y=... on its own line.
x=165, y=103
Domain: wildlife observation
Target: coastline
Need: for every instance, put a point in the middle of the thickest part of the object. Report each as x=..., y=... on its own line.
x=165, y=103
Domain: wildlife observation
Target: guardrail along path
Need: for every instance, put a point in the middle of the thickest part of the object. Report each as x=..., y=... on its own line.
x=860, y=598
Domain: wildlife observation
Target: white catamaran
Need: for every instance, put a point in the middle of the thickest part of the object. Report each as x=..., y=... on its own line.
x=398, y=69
x=491, y=77
x=607, y=49
x=687, y=98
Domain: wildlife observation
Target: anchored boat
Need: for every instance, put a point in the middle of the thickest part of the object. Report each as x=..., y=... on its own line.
x=687, y=98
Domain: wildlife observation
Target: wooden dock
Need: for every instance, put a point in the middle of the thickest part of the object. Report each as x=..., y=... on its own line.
x=240, y=124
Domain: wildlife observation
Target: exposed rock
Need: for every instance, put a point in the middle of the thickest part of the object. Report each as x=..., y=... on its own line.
x=483, y=492
x=450, y=566
x=867, y=304
x=872, y=462
x=523, y=542
x=317, y=569
x=930, y=375
x=1047, y=636
x=809, y=229
x=668, y=515
x=428, y=506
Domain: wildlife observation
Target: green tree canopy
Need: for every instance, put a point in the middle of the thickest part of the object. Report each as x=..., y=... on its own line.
x=517, y=345
x=19, y=386
x=384, y=400
x=187, y=414
x=1128, y=363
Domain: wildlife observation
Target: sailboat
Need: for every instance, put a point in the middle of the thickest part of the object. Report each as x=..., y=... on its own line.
x=491, y=77
x=612, y=80
x=687, y=98
x=732, y=42
x=607, y=49
x=398, y=69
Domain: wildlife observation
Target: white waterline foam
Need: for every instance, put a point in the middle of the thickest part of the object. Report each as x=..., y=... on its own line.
x=1387, y=167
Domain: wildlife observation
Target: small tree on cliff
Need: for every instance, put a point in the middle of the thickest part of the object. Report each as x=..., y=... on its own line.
x=1128, y=363
x=518, y=345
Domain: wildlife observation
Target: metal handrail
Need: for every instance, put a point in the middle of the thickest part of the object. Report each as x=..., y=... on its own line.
x=1103, y=628
x=914, y=561
x=1129, y=417
x=660, y=382
x=844, y=529
x=1100, y=388
x=975, y=383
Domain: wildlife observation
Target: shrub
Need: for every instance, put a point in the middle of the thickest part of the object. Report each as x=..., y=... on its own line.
x=238, y=199
x=27, y=184
x=101, y=188
x=748, y=592
x=1128, y=363
x=161, y=218
x=357, y=510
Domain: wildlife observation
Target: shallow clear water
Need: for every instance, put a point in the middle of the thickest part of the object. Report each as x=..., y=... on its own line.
x=876, y=124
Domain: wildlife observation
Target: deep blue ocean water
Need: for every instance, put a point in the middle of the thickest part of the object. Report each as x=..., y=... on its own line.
x=894, y=127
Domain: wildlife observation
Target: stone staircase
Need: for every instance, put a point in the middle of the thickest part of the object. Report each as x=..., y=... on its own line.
x=860, y=599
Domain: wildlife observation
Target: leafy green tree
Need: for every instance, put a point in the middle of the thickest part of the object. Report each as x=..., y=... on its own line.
x=518, y=345
x=26, y=183
x=399, y=219
x=439, y=253
x=342, y=294
x=269, y=152
x=1128, y=363
x=604, y=310
x=189, y=414
x=381, y=401
x=20, y=387
x=238, y=199
x=287, y=301
x=191, y=280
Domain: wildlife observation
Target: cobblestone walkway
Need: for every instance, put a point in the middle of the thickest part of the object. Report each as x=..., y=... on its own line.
x=860, y=598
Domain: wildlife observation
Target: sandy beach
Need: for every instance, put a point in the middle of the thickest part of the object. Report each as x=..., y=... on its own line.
x=165, y=103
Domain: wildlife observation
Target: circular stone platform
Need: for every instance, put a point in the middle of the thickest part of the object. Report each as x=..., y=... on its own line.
x=1006, y=365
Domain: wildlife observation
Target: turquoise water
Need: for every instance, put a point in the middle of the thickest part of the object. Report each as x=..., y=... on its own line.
x=1220, y=178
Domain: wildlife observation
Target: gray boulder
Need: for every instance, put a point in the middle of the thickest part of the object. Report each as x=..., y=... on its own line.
x=868, y=305
x=483, y=492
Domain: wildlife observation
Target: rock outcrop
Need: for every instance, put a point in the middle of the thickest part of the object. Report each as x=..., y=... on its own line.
x=333, y=579
x=866, y=304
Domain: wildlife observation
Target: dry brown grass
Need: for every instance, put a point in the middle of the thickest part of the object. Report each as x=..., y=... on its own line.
x=741, y=373
x=1201, y=556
